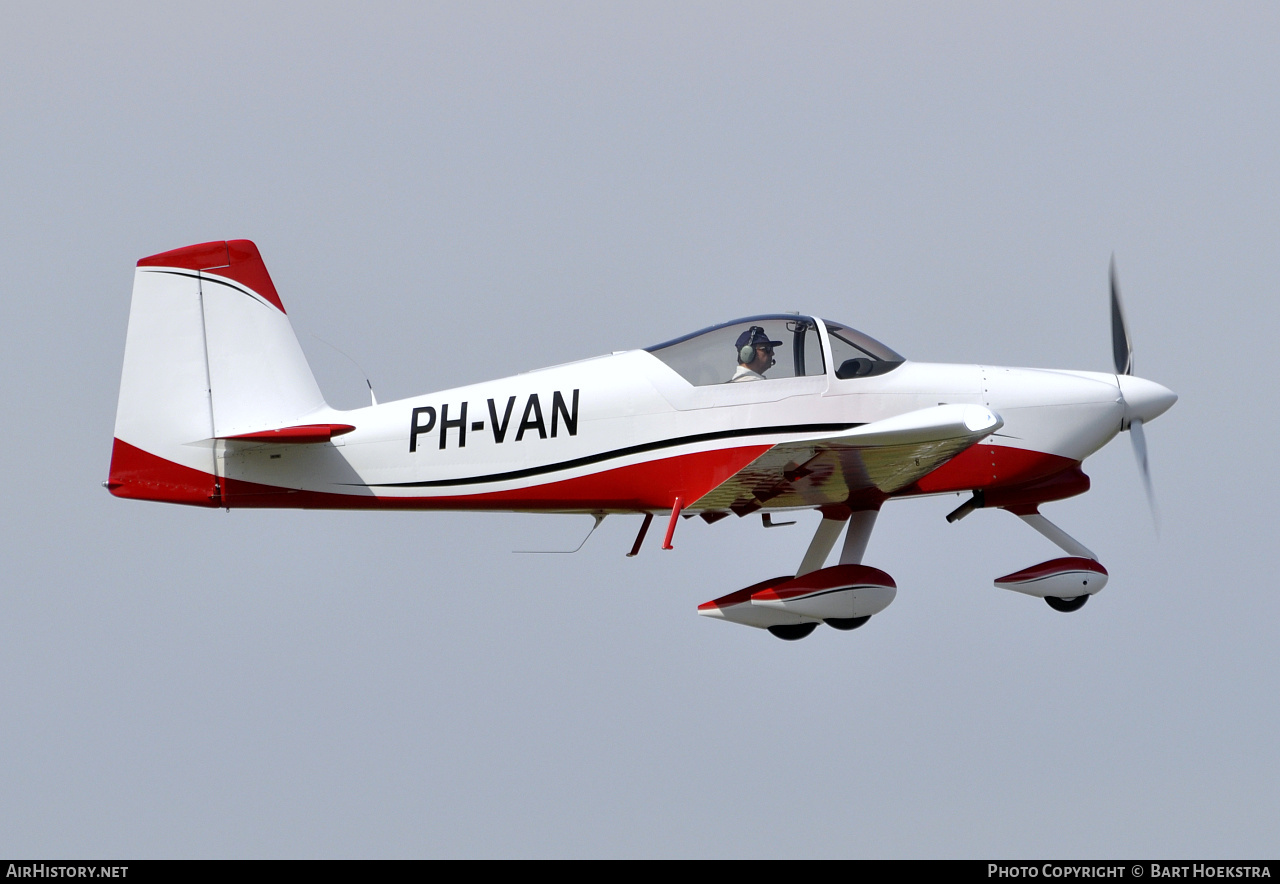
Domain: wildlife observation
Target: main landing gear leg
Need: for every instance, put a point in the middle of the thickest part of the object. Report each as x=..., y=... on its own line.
x=824, y=539
x=855, y=542
x=860, y=523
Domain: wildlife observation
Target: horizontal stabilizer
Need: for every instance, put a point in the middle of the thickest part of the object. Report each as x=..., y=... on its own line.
x=305, y=434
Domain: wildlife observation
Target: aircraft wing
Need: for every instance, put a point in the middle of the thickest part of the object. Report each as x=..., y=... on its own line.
x=868, y=462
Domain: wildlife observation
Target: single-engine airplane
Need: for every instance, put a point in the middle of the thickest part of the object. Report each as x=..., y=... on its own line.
x=218, y=408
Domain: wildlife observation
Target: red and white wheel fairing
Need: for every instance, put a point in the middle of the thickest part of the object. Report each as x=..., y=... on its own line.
x=1066, y=577
x=841, y=592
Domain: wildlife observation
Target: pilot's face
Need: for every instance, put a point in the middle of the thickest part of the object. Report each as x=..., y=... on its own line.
x=764, y=359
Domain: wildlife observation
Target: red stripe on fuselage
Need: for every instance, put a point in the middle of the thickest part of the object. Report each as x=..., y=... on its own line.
x=650, y=485
x=305, y=434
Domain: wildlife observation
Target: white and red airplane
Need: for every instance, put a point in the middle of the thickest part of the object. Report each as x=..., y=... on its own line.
x=218, y=408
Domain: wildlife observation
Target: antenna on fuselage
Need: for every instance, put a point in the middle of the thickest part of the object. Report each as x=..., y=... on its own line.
x=599, y=517
x=373, y=400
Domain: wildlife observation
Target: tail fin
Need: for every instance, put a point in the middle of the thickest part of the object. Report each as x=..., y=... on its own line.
x=210, y=354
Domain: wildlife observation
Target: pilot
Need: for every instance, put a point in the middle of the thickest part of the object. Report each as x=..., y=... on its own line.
x=755, y=355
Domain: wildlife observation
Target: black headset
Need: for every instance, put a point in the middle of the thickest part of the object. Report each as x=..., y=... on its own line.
x=747, y=352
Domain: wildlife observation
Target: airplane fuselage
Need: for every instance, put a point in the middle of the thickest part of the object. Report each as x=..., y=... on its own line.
x=623, y=433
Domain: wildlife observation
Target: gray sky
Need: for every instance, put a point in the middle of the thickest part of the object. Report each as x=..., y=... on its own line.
x=476, y=189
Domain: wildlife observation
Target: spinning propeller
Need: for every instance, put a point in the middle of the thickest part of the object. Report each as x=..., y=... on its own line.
x=1143, y=400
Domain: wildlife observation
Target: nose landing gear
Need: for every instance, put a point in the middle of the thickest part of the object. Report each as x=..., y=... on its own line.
x=1065, y=583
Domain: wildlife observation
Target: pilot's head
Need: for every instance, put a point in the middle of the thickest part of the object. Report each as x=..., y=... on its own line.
x=755, y=350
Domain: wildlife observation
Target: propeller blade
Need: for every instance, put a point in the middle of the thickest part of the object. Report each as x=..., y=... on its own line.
x=1121, y=344
x=1142, y=399
x=1140, y=452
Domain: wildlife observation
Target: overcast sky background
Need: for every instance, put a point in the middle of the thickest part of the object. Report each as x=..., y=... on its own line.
x=471, y=190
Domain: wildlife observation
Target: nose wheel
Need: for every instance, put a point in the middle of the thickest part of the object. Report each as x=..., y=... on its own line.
x=1066, y=605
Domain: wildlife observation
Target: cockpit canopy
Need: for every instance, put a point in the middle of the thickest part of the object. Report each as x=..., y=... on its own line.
x=711, y=356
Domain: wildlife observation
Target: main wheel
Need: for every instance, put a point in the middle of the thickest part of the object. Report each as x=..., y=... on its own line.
x=846, y=623
x=791, y=632
x=1066, y=605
